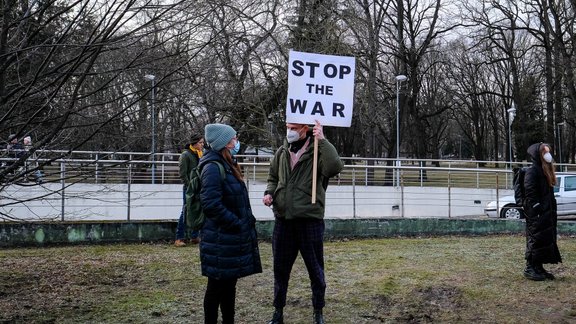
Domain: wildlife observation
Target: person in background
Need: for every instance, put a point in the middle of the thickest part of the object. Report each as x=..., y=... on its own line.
x=14, y=150
x=186, y=163
x=540, y=209
x=299, y=224
x=32, y=162
x=14, y=147
x=229, y=244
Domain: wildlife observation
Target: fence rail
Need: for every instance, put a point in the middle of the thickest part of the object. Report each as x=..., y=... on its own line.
x=100, y=185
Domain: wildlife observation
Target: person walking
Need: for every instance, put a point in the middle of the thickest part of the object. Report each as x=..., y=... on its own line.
x=186, y=163
x=299, y=224
x=540, y=209
x=229, y=244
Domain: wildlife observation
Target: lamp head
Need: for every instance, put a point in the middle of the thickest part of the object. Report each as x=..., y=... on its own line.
x=150, y=77
x=401, y=78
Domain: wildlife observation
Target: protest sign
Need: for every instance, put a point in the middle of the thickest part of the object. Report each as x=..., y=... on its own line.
x=320, y=87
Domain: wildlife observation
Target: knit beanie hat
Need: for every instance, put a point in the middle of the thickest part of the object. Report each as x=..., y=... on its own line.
x=218, y=135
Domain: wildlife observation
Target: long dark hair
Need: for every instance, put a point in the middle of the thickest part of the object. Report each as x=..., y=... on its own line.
x=236, y=170
x=548, y=168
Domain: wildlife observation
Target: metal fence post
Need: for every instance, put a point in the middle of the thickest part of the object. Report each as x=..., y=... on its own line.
x=401, y=179
x=366, y=174
x=163, y=168
x=354, y=192
x=129, y=180
x=421, y=174
x=498, y=192
x=254, y=169
x=477, y=177
x=97, y=170
x=62, y=191
x=449, y=195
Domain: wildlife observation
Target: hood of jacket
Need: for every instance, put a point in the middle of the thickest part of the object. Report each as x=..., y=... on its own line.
x=534, y=153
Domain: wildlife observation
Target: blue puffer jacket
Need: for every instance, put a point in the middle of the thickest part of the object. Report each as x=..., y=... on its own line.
x=229, y=245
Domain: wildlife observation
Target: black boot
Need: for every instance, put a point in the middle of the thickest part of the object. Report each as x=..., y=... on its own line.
x=318, y=318
x=543, y=271
x=532, y=273
x=278, y=317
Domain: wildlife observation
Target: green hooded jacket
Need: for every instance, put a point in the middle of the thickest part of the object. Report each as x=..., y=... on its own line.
x=292, y=189
x=188, y=160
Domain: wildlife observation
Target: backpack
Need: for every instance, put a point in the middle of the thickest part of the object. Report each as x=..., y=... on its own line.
x=518, y=184
x=194, y=215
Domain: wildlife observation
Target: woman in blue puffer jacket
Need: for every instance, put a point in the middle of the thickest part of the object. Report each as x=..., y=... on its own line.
x=229, y=244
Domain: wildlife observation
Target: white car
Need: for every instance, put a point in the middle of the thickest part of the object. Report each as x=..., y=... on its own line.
x=564, y=191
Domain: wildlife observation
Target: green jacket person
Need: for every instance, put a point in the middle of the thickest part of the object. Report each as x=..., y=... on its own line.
x=299, y=225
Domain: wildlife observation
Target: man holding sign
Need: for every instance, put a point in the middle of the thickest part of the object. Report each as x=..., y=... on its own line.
x=320, y=92
x=299, y=225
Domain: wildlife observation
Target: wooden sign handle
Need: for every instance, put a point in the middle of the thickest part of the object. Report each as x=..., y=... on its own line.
x=314, y=170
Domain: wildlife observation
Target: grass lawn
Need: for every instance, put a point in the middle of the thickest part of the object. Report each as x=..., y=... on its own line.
x=398, y=280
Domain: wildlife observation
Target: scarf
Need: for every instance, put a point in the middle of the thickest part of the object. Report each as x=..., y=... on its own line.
x=197, y=152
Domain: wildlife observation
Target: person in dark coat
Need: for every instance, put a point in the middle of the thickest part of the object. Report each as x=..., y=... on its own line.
x=229, y=244
x=540, y=209
x=187, y=161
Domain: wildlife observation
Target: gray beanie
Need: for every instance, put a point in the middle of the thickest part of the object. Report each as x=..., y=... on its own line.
x=218, y=135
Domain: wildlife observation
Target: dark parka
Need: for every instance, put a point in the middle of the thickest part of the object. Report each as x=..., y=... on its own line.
x=292, y=189
x=540, y=210
x=229, y=245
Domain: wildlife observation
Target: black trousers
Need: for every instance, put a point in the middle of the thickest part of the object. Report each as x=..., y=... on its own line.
x=307, y=237
x=220, y=294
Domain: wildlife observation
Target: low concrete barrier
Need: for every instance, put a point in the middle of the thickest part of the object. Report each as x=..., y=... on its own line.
x=52, y=233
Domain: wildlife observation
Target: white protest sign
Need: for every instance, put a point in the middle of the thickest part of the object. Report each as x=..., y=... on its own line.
x=320, y=87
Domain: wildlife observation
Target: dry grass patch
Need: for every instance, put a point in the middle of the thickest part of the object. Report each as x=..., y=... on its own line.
x=400, y=280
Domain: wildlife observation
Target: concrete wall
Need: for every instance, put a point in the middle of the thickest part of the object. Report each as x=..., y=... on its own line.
x=50, y=233
x=139, y=202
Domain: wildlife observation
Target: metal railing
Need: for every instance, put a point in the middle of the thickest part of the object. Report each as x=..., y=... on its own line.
x=119, y=186
x=136, y=167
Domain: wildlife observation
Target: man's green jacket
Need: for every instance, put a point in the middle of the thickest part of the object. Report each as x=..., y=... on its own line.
x=292, y=189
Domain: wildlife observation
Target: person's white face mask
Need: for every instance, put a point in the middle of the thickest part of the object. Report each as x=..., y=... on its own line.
x=292, y=135
x=548, y=157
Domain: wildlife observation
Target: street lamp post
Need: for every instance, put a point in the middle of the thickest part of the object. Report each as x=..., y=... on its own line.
x=560, y=142
x=152, y=78
x=399, y=79
x=460, y=148
x=511, y=114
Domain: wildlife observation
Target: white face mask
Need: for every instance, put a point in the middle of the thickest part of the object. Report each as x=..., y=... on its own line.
x=548, y=157
x=292, y=135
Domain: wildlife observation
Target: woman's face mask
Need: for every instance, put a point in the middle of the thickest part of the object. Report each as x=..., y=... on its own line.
x=547, y=157
x=292, y=135
x=236, y=148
